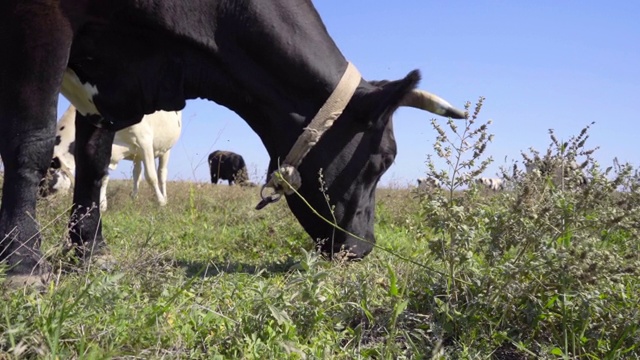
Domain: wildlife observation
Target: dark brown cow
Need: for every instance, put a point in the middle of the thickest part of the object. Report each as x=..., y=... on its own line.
x=227, y=165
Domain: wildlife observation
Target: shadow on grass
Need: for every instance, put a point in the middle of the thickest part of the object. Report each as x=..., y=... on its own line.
x=209, y=269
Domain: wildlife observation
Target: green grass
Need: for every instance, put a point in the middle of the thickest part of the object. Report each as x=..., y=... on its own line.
x=209, y=277
x=545, y=270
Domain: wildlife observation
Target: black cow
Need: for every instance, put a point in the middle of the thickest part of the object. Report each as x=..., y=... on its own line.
x=272, y=62
x=227, y=165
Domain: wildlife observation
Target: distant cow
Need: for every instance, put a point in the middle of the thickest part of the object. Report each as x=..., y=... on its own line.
x=491, y=183
x=428, y=183
x=560, y=171
x=153, y=137
x=227, y=165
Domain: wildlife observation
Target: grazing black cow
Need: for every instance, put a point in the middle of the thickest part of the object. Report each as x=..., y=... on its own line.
x=271, y=62
x=227, y=165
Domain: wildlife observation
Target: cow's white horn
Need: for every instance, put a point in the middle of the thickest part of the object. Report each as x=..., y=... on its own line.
x=430, y=102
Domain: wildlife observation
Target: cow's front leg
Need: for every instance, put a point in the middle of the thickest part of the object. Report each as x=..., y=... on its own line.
x=93, y=151
x=35, y=39
x=25, y=157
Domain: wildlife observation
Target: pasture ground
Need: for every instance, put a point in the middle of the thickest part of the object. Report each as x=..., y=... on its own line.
x=210, y=277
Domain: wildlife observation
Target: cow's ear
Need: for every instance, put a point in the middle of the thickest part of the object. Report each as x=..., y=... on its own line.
x=376, y=105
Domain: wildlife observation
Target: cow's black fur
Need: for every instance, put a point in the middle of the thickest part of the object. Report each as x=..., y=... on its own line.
x=227, y=165
x=272, y=62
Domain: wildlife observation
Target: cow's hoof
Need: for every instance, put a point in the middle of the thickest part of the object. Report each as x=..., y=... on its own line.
x=90, y=255
x=100, y=262
x=104, y=262
x=31, y=281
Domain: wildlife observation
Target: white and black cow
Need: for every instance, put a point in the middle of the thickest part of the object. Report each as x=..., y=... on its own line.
x=428, y=183
x=272, y=62
x=151, y=138
x=493, y=184
x=558, y=170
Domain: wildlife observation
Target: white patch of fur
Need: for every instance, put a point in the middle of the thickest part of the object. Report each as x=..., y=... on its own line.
x=60, y=182
x=66, y=130
x=79, y=94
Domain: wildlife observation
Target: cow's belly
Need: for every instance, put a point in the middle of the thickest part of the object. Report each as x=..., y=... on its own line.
x=161, y=146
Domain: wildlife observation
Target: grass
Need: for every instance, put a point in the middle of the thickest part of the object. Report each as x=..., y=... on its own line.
x=205, y=275
x=209, y=277
x=542, y=270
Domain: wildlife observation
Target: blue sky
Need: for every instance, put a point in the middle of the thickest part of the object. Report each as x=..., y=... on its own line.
x=540, y=65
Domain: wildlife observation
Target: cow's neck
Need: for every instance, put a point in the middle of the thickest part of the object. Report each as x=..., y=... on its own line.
x=278, y=71
x=272, y=62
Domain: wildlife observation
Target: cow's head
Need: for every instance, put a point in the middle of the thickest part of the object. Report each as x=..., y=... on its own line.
x=58, y=179
x=59, y=176
x=340, y=173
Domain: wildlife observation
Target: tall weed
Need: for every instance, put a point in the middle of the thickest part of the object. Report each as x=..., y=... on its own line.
x=541, y=267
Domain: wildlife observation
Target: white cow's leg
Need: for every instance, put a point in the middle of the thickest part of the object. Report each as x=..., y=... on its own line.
x=151, y=175
x=163, y=162
x=103, y=193
x=137, y=177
